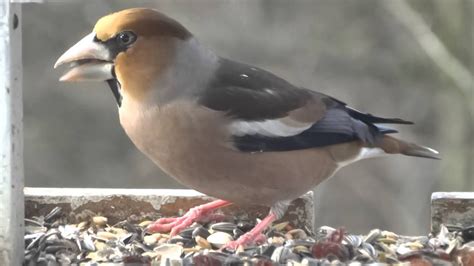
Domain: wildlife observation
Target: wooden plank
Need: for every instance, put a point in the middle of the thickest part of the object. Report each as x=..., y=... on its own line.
x=120, y=204
x=11, y=138
x=452, y=209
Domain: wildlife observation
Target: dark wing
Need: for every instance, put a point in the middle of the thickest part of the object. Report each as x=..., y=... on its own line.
x=250, y=93
x=270, y=114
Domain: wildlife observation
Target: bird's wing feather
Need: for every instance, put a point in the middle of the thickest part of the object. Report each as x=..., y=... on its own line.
x=270, y=114
x=251, y=94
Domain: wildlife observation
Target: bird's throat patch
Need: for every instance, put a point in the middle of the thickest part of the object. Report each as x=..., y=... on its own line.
x=115, y=88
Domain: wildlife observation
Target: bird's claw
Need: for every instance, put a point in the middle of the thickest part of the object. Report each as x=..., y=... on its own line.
x=245, y=240
x=177, y=224
x=199, y=213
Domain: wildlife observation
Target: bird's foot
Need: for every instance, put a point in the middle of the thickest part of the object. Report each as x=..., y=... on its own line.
x=245, y=240
x=176, y=225
x=254, y=236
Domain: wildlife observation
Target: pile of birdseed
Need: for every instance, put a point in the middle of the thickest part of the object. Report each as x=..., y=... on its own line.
x=50, y=241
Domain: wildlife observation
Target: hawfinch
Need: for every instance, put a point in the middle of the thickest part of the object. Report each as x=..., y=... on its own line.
x=227, y=129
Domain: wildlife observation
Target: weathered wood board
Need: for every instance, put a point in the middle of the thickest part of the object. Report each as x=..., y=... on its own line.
x=120, y=204
x=452, y=208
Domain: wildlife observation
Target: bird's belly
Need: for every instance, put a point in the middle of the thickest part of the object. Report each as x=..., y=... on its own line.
x=192, y=148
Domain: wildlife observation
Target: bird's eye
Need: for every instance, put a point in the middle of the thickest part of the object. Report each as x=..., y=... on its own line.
x=126, y=38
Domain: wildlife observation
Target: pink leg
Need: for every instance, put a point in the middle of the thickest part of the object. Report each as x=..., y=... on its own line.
x=180, y=223
x=253, y=235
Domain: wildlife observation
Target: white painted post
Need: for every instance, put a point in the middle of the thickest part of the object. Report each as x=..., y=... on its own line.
x=11, y=136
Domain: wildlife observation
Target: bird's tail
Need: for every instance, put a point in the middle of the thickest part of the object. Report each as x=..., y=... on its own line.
x=393, y=146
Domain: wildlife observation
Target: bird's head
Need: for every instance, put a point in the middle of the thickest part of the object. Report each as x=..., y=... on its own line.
x=128, y=49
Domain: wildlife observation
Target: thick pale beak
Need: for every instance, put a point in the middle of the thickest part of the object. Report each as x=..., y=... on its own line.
x=90, y=61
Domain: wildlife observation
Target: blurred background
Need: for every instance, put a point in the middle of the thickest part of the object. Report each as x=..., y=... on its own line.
x=408, y=59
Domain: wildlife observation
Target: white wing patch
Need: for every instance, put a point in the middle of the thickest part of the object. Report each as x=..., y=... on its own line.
x=269, y=128
x=364, y=153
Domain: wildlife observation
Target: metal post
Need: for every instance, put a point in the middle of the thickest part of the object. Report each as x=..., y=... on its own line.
x=11, y=136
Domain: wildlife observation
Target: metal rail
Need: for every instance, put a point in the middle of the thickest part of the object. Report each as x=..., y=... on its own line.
x=11, y=136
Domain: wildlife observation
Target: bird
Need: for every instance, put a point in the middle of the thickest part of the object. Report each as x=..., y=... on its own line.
x=230, y=130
